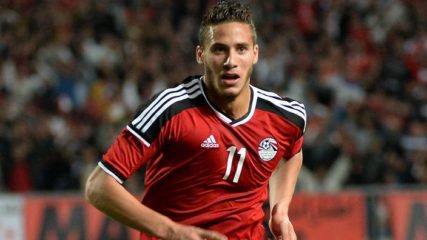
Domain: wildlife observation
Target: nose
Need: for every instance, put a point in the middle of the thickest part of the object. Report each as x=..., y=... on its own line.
x=230, y=61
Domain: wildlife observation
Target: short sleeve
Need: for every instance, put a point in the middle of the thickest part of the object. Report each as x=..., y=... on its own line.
x=297, y=146
x=125, y=156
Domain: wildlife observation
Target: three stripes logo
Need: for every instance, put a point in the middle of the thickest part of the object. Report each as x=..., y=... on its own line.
x=210, y=142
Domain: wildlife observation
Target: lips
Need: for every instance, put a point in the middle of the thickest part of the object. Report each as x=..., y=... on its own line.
x=230, y=76
x=230, y=79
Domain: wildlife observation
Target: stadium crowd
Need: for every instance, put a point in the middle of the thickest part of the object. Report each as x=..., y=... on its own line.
x=72, y=73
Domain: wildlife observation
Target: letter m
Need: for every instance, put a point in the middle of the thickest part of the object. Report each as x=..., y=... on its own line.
x=73, y=229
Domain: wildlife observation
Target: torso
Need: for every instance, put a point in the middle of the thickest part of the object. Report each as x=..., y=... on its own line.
x=212, y=171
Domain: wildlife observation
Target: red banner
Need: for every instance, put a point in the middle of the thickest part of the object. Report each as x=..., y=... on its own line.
x=69, y=217
x=333, y=217
x=314, y=216
x=407, y=214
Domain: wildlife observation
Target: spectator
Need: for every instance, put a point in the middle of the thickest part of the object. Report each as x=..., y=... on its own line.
x=71, y=72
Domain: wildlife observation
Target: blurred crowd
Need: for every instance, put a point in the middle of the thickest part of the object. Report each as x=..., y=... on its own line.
x=72, y=73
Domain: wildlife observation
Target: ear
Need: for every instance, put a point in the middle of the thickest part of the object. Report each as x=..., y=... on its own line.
x=256, y=50
x=200, y=55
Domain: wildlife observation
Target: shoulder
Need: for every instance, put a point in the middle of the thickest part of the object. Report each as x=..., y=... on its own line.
x=171, y=97
x=163, y=106
x=188, y=89
x=289, y=109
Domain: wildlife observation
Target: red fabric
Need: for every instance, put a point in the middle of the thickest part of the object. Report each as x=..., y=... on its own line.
x=185, y=181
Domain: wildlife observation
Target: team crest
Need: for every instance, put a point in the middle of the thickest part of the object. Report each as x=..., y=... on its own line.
x=267, y=149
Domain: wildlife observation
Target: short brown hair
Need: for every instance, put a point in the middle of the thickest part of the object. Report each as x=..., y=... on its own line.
x=226, y=11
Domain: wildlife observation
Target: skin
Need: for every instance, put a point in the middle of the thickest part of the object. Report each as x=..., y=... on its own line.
x=229, y=50
x=281, y=189
x=110, y=197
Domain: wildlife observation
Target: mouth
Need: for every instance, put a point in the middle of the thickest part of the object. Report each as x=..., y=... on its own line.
x=230, y=78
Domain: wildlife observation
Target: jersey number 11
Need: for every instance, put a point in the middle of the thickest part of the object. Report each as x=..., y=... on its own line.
x=242, y=154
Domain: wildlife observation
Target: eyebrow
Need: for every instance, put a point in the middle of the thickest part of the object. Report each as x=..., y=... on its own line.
x=218, y=44
x=243, y=45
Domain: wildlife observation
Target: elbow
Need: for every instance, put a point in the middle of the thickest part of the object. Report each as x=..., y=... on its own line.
x=90, y=190
x=93, y=189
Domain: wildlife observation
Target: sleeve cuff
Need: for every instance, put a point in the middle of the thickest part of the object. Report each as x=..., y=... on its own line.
x=110, y=171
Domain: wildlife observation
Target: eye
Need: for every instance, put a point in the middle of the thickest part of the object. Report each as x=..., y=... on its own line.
x=219, y=49
x=242, y=49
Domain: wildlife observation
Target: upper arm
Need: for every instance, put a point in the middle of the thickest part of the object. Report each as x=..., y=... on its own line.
x=294, y=162
x=97, y=183
x=283, y=180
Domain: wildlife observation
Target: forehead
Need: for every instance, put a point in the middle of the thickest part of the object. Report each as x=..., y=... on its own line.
x=230, y=33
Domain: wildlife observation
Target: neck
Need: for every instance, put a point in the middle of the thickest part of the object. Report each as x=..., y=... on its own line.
x=234, y=107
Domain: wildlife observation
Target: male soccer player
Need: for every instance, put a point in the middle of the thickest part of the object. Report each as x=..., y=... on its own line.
x=212, y=145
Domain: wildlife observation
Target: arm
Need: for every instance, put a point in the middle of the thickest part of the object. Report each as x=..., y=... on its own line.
x=110, y=197
x=282, y=187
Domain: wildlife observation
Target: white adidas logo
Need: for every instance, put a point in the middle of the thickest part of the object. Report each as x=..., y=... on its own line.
x=210, y=142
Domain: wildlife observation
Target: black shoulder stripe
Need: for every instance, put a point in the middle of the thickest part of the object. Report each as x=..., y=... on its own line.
x=153, y=116
x=266, y=106
x=288, y=108
x=170, y=92
x=151, y=133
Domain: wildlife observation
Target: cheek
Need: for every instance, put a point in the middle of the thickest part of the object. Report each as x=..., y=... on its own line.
x=209, y=72
x=215, y=63
x=247, y=64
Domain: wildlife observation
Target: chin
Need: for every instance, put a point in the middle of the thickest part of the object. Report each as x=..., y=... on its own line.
x=230, y=93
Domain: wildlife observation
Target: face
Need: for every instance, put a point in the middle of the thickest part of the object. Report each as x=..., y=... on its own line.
x=228, y=55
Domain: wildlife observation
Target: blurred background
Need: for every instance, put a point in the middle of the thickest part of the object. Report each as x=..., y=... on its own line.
x=72, y=73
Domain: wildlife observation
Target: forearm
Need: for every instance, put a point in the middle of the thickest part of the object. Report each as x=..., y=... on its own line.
x=282, y=184
x=107, y=195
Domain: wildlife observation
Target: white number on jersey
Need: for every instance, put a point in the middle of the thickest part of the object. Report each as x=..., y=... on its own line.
x=242, y=154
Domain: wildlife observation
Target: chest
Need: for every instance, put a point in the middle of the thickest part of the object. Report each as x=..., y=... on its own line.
x=243, y=156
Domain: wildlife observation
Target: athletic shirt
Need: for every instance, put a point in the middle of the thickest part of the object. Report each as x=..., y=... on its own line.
x=202, y=167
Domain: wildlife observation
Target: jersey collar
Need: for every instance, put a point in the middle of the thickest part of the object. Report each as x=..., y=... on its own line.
x=223, y=116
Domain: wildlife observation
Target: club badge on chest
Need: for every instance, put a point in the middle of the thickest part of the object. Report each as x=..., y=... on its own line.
x=267, y=149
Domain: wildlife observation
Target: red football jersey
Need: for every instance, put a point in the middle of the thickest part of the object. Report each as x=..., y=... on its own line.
x=204, y=168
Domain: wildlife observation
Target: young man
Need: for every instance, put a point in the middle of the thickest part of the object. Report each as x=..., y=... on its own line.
x=212, y=145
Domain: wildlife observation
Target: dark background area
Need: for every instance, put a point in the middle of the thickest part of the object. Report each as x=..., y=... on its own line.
x=73, y=72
